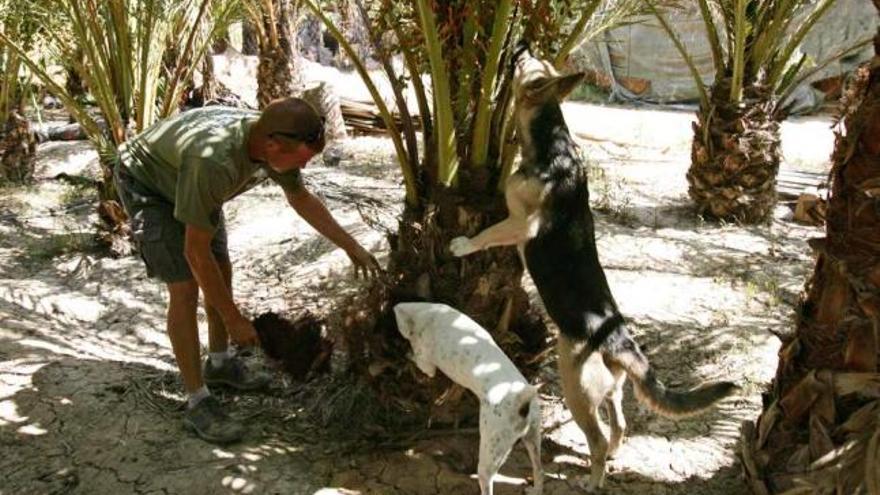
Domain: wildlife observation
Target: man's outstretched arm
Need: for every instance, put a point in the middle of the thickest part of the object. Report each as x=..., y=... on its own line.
x=313, y=211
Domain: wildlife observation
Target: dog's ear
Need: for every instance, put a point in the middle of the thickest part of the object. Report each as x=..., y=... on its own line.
x=404, y=319
x=540, y=90
x=550, y=87
x=566, y=84
x=405, y=325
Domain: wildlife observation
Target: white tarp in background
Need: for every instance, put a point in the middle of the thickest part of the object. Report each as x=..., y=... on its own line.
x=641, y=53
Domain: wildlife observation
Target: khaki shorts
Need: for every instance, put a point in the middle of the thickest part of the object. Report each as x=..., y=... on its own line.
x=159, y=236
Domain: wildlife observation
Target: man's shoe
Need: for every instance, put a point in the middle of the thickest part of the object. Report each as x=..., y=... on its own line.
x=209, y=421
x=234, y=373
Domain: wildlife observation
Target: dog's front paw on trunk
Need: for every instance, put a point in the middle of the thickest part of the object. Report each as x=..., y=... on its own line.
x=461, y=246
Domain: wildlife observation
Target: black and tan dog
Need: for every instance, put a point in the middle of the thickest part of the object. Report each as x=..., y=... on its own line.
x=551, y=223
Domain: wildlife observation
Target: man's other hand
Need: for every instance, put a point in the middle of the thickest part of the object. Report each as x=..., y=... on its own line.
x=241, y=331
x=364, y=263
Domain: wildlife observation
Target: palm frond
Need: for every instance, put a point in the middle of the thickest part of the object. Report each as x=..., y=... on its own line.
x=712, y=35
x=122, y=44
x=741, y=31
x=483, y=121
x=579, y=33
x=197, y=41
x=387, y=117
x=797, y=38
x=676, y=40
x=786, y=88
x=445, y=136
x=90, y=125
x=762, y=40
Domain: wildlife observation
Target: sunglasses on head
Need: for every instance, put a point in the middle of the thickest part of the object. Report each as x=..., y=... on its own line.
x=308, y=138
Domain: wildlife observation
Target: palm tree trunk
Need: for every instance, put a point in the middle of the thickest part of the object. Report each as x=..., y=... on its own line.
x=220, y=43
x=18, y=145
x=170, y=61
x=278, y=73
x=735, y=156
x=486, y=286
x=74, y=83
x=18, y=149
x=250, y=44
x=329, y=106
x=820, y=428
x=114, y=231
x=209, y=89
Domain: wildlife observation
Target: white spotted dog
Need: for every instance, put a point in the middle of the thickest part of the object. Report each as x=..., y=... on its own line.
x=443, y=337
x=551, y=224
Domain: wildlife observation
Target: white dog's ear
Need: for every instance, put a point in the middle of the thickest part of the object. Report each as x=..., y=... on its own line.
x=405, y=325
x=404, y=320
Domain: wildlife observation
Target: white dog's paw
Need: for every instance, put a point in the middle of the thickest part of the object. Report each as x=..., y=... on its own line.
x=461, y=246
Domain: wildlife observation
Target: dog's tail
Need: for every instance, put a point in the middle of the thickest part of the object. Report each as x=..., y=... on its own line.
x=651, y=391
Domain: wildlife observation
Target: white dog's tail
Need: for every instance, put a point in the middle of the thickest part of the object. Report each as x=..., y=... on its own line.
x=651, y=391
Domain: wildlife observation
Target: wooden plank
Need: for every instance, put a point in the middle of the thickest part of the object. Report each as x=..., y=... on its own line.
x=364, y=117
x=802, y=173
x=792, y=183
x=800, y=180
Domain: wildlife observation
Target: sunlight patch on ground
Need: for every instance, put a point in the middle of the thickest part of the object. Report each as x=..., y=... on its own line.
x=9, y=413
x=44, y=298
x=658, y=128
x=672, y=297
x=238, y=484
x=55, y=348
x=223, y=454
x=16, y=375
x=32, y=430
x=659, y=459
x=70, y=157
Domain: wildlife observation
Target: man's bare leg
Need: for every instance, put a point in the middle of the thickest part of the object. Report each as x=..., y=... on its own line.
x=184, y=332
x=204, y=414
x=221, y=368
x=218, y=337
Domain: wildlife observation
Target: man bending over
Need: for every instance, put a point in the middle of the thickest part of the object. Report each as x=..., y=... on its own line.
x=173, y=180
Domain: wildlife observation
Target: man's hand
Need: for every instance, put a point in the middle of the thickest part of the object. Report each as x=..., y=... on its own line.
x=241, y=331
x=364, y=262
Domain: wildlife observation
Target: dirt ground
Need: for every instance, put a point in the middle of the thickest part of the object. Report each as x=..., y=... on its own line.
x=90, y=401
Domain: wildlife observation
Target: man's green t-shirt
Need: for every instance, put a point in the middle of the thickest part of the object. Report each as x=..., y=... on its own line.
x=198, y=160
